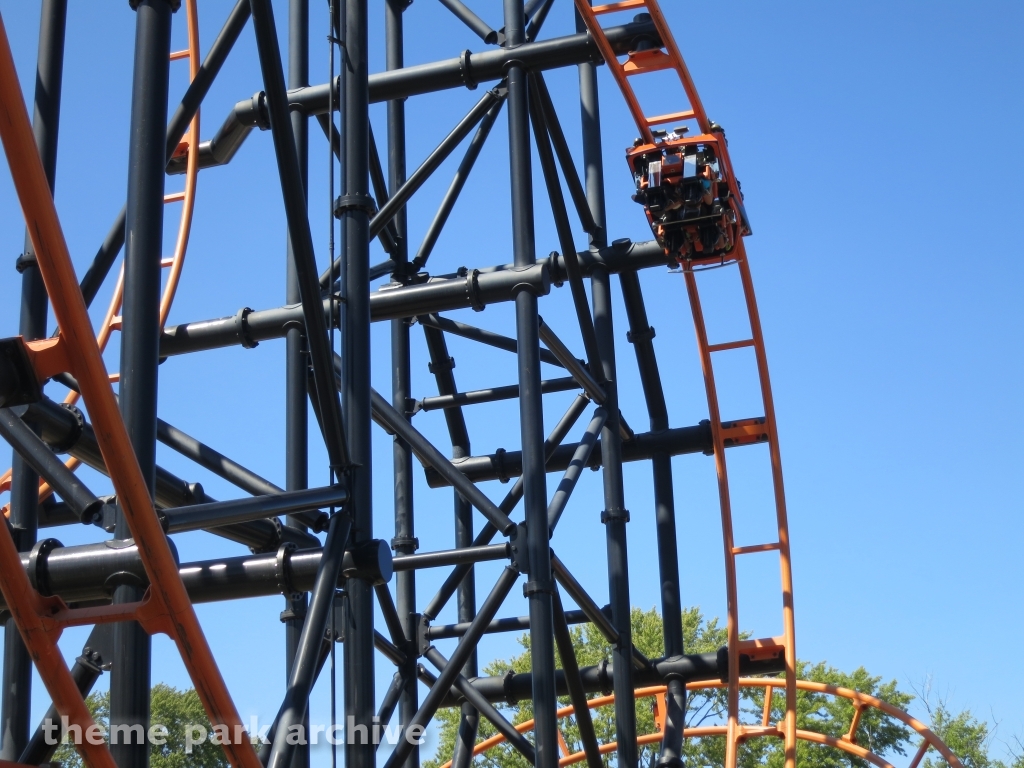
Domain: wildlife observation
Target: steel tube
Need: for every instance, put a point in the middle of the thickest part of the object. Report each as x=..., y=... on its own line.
x=477, y=396
x=441, y=688
x=65, y=430
x=197, y=90
x=489, y=338
x=304, y=666
x=295, y=359
x=463, y=555
x=405, y=544
x=573, y=681
x=140, y=332
x=199, y=516
x=458, y=182
x=471, y=20
x=512, y=624
x=540, y=585
x=558, y=433
x=485, y=708
x=644, y=446
x=16, y=696
x=293, y=192
x=567, y=359
x=580, y=459
x=42, y=460
x=598, y=679
x=236, y=474
x=394, y=421
x=585, y=602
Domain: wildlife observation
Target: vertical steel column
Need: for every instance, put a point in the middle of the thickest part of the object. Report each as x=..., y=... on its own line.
x=615, y=514
x=16, y=698
x=641, y=335
x=296, y=361
x=540, y=586
x=354, y=207
x=405, y=542
x=130, y=674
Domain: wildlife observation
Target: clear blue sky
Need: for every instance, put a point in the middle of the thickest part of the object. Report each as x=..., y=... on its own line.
x=879, y=152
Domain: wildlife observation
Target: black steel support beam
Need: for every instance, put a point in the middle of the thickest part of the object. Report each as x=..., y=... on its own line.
x=440, y=690
x=140, y=333
x=641, y=336
x=580, y=459
x=598, y=679
x=193, y=97
x=301, y=241
x=352, y=208
x=16, y=695
x=557, y=434
x=674, y=442
x=540, y=585
x=573, y=681
x=473, y=397
x=458, y=182
x=482, y=336
x=64, y=429
x=200, y=516
x=296, y=360
x=404, y=543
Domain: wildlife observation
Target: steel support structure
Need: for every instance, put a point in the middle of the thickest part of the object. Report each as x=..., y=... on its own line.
x=333, y=587
x=16, y=697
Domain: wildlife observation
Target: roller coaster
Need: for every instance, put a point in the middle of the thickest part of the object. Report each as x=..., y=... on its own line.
x=134, y=586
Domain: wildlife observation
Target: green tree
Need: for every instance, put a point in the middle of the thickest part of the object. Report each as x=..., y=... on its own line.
x=174, y=709
x=816, y=712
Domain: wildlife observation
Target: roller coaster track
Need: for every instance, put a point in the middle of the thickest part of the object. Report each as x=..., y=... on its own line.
x=165, y=607
x=847, y=743
x=111, y=321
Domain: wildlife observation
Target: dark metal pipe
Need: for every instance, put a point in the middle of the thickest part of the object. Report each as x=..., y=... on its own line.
x=454, y=190
x=194, y=96
x=16, y=695
x=455, y=578
x=394, y=422
x=442, y=687
x=567, y=359
x=140, y=334
x=464, y=555
x=65, y=430
x=199, y=516
x=489, y=338
x=518, y=741
x=293, y=192
x=41, y=459
x=304, y=666
x=580, y=459
x=471, y=20
x=513, y=624
x=85, y=672
x=401, y=195
x=476, y=396
x=237, y=475
x=585, y=601
x=573, y=681
x=674, y=442
x=598, y=678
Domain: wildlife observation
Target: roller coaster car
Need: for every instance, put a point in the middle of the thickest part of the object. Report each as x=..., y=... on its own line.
x=694, y=209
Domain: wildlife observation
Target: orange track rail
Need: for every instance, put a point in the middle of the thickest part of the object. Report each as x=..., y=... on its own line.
x=112, y=321
x=847, y=743
x=726, y=434
x=166, y=606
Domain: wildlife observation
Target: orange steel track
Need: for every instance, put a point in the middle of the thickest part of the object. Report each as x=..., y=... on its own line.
x=111, y=320
x=166, y=607
x=726, y=434
x=847, y=743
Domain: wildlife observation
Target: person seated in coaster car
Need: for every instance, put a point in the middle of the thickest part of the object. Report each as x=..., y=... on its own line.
x=689, y=204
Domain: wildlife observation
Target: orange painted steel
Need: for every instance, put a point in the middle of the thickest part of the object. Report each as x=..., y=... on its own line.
x=167, y=607
x=726, y=434
x=112, y=319
x=847, y=743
